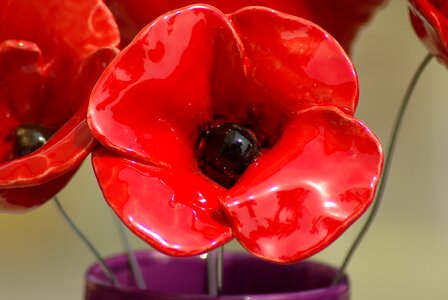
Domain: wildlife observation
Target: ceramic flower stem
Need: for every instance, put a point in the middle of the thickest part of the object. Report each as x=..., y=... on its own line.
x=133, y=263
x=89, y=245
x=389, y=153
x=214, y=271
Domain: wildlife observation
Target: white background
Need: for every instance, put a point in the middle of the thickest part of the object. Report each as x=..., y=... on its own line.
x=403, y=256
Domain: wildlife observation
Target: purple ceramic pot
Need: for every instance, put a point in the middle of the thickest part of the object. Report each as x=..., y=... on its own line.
x=245, y=277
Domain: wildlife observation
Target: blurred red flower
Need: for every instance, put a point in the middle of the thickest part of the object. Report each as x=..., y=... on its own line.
x=342, y=19
x=429, y=18
x=50, y=58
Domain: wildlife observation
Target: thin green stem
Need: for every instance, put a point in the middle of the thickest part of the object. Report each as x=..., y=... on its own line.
x=86, y=241
x=389, y=153
x=133, y=263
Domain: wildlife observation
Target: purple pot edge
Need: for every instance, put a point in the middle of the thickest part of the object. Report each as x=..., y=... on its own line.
x=95, y=278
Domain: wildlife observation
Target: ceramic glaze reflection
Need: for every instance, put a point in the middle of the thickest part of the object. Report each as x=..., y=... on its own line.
x=180, y=215
x=318, y=167
x=429, y=19
x=312, y=193
x=150, y=119
x=245, y=278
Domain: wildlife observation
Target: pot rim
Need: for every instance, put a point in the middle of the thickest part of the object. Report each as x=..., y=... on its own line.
x=96, y=278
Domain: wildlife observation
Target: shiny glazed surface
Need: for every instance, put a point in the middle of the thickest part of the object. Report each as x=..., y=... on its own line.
x=245, y=278
x=342, y=19
x=429, y=19
x=283, y=78
x=50, y=58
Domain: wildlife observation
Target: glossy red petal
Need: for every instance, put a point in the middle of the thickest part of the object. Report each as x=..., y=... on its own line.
x=59, y=27
x=64, y=151
x=69, y=146
x=86, y=77
x=22, y=79
x=174, y=210
x=343, y=19
x=296, y=61
x=9, y=123
x=23, y=199
x=430, y=21
x=134, y=108
x=299, y=197
x=154, y=98
x=66, y=31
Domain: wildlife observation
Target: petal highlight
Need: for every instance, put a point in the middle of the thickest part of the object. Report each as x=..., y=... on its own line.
x=153, y=100
x=174, y=210
x=316, y=181
x=429, y=19
x=296, y=61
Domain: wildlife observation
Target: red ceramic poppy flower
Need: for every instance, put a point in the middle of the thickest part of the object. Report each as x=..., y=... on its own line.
x=430, y=21
x=216, y=126
x=49, y=61
x=341, y=18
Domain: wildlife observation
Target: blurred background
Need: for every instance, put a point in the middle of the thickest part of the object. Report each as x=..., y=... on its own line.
x=403, y=255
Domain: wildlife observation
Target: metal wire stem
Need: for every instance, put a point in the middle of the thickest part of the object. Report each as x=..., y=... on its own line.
x=133, y=263
x=389, y=153
x=215, y=271
x=89, y=245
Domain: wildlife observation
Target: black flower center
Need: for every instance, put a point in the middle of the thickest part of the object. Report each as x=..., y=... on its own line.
x=225, y=152
x=30, y=137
